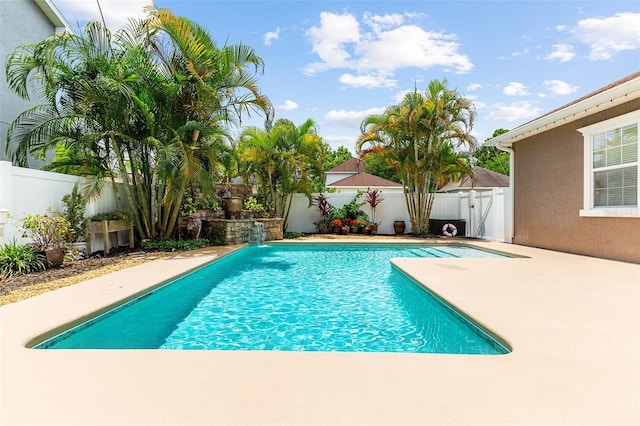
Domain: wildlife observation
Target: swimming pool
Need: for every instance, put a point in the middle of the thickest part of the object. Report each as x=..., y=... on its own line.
x=294, y=297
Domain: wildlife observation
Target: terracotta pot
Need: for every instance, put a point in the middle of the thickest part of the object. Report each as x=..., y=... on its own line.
x=55, y=257
x=232, y=207
x=399, y=227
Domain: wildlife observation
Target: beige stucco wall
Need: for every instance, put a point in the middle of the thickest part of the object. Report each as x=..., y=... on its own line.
x=548, y=195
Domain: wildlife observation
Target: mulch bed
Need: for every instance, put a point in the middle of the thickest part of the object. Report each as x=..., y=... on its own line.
x=70, y=268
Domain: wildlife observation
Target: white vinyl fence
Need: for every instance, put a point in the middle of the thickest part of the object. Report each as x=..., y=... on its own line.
x=487, y=213
x=23, y=191
x=28, y=191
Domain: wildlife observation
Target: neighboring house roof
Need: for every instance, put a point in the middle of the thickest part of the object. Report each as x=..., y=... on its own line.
x=54, y=15
x=352, y=165
x=616, y=93
x=482, y=178
x=365, y=180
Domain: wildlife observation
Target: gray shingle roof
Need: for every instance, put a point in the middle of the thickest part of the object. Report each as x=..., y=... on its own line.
x=482, y=178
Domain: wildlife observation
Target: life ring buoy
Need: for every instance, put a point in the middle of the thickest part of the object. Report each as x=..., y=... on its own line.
x=449, y=230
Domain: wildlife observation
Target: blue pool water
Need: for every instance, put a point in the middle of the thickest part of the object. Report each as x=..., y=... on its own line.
x=292, y=297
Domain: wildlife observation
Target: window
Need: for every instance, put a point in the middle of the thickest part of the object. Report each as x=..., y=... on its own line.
x=611, y=181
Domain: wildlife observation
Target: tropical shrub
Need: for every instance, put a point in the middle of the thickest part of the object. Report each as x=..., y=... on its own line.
x=192, y=202
x=47, y=231
x=352, y=208
x=373, y=198
x=75, y=205
x=323, y=205
x=17, y=259
x=251, y=204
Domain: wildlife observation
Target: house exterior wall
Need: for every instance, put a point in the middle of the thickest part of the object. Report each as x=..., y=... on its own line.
x=548, y=195
x=21, y=22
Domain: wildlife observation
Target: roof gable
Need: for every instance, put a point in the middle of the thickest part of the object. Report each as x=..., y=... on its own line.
x=365, y=179
x=352, y=165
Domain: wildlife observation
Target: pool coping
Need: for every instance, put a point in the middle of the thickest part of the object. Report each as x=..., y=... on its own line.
x=572, y=321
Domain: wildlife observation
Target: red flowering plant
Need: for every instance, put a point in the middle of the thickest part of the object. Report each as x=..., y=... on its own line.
x=373, y=198
x=337, y=222
x=326, y=209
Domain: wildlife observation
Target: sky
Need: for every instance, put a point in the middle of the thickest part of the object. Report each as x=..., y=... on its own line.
x=337, y=62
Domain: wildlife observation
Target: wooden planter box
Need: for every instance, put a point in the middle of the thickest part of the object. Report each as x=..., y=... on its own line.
x=104, y=227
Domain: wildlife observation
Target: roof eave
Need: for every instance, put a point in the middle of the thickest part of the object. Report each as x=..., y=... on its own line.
x=625, y=92
x=57, y=19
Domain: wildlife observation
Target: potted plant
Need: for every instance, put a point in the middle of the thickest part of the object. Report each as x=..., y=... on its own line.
x=75, y=205
x=373, y=198
x=48, y=233
x=325, y=210
x=255, y=209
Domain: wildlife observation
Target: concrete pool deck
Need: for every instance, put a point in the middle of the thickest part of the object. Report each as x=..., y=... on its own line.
x=573, y=324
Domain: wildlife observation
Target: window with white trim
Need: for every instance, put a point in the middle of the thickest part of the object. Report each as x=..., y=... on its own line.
x=611, y=178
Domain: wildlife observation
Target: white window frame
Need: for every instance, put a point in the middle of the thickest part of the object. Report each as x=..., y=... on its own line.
x=589, y=210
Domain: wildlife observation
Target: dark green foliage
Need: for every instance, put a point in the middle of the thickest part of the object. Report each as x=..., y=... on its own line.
x=293, y=235
x=351, y=210
x=20, y=259
x=217, y=237
x=74, y=207
x=378, y=166
x=174, y=245
x=492, y=158
x=114, y=215
x=333, y=158
x=194, y=201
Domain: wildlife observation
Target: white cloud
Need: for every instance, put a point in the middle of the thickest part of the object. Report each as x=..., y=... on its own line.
x=479, y=104
x=329, y=40
x=609, y=36
x=116, y=12
x=350, y=118
x=559, y=87
x=513, y=112
x=399, y=96
x=288, y=105
x=341, y=43
x=562, y=52
x=515, y=89
x=474, y=86
x=382, y=22
x=271, y=35
x=367, y=81
x=338, y=140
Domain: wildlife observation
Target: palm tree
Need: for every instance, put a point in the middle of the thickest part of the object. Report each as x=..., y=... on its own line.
x=284, y=159
x=148, y=105
x=415, y=137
